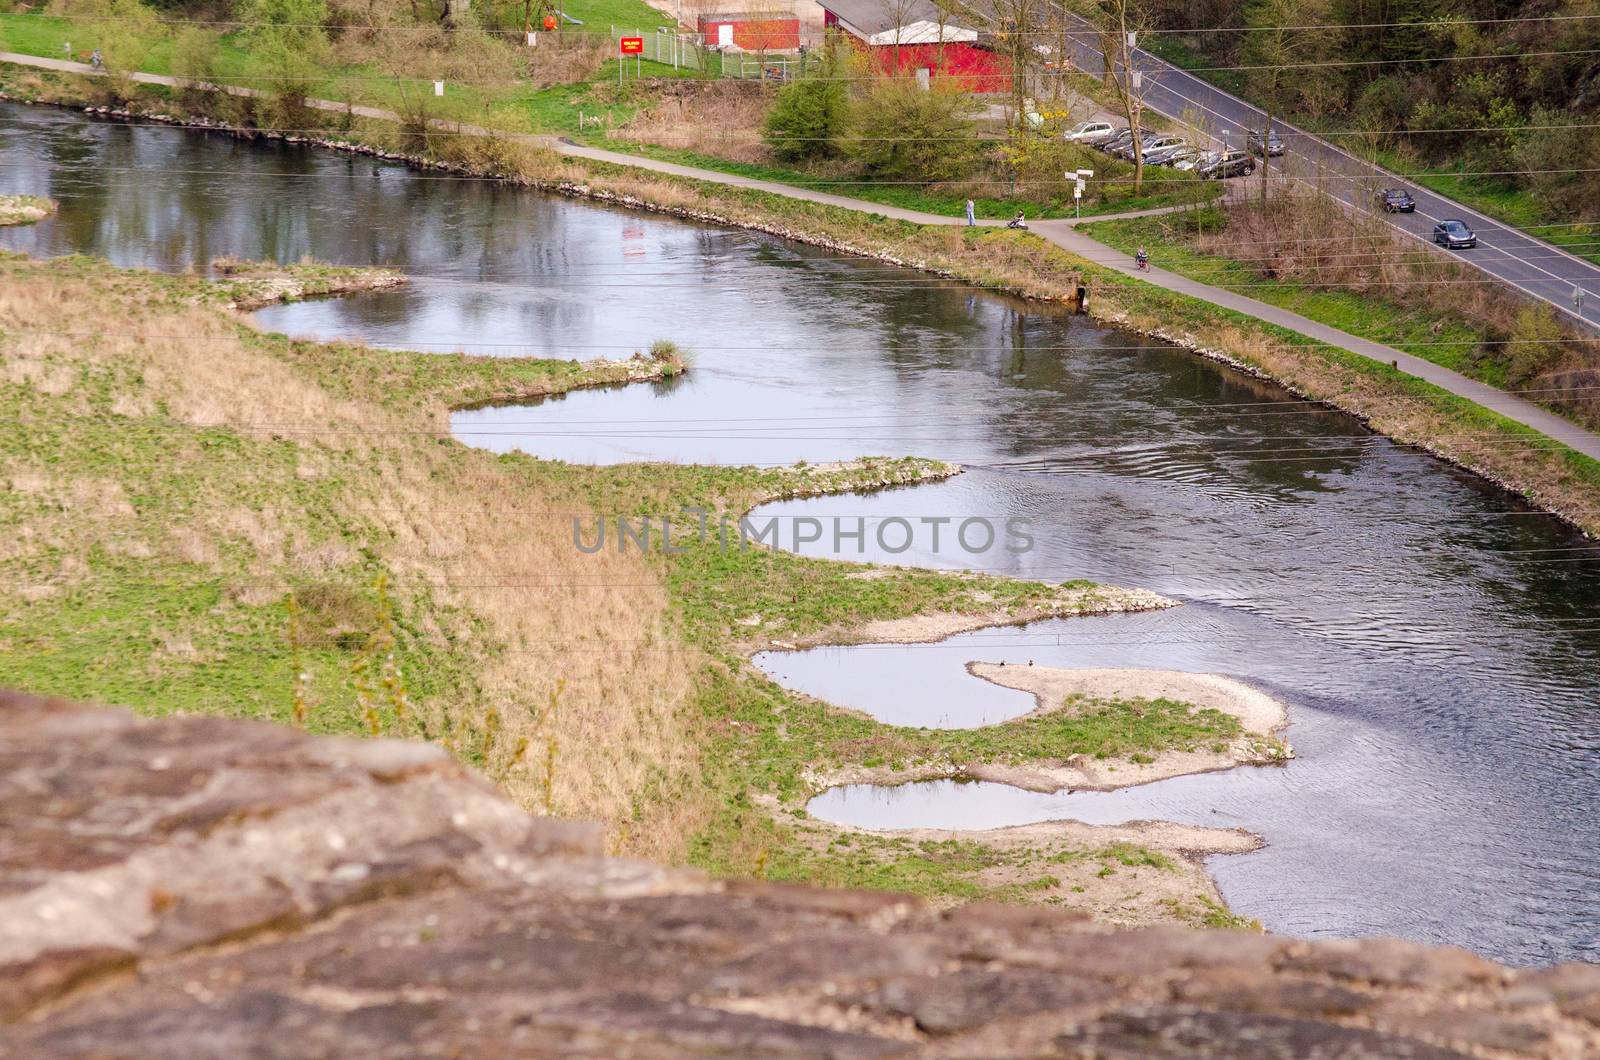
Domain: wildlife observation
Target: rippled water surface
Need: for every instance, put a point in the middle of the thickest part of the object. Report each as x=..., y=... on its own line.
x=1436, y=641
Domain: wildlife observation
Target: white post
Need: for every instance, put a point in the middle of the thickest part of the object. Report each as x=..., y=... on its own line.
x=438, y=88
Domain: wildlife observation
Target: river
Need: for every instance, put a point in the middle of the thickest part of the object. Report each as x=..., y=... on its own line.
x=1436, y=640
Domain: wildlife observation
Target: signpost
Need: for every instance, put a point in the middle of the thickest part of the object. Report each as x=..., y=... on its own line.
x=628, y=46
x=1077, y=189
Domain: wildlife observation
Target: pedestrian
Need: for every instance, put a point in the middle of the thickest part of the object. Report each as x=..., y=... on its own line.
x=972, y=213
x=1577, y=299
x=94, y=59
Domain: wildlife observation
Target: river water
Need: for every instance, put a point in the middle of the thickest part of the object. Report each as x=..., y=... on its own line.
x=1437, y=641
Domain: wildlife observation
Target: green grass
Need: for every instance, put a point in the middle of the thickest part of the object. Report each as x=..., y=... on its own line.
x=1404, y=327
x=904, y=196
x=122, y=617
x=601, y=15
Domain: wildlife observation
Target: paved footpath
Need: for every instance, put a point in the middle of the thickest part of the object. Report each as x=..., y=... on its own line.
x=1062, y=233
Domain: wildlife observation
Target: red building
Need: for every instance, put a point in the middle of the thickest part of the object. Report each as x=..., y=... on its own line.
x=752, y=31
x=905, y=37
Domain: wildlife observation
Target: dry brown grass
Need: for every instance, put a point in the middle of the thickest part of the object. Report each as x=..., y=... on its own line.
x=466, y=538
x=719, y=118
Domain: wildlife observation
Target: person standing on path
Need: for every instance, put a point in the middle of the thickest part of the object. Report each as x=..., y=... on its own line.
x=1577, y=299
x=972, y=214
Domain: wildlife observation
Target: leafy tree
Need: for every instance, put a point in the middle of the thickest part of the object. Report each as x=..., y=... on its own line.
x=1278, y=42
x=899, y=131
x=807, y=118
x=1557, y=161
x=291, y=52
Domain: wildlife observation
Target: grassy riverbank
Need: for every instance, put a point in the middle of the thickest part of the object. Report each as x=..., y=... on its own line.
x=205, y=518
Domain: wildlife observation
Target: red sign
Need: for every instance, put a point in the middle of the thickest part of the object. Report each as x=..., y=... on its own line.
x=632, y=45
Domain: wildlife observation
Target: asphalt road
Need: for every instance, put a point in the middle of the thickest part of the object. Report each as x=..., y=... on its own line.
x=1506, y=254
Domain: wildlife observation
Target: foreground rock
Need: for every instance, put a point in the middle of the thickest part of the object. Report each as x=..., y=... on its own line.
x=202, y=887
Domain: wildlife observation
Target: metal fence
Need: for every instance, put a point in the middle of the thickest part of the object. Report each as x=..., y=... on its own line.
x=682, y=50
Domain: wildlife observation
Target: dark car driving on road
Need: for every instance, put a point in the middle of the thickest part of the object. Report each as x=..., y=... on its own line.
x=1257, y=144
x=1228, y=164
x=1397, y=200
x=1454, y=234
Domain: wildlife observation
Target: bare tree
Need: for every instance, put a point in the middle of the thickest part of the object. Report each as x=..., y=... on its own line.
x=898, y=12
x=1017, y=24
x=1277, y=42
x=1120, y=21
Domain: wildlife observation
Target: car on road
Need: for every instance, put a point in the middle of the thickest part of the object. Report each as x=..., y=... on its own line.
x=1454, y=234
x=1397, y=200
x=1089, y=131
x=1161, y=156
x=1228, y=164
x=1258, y=143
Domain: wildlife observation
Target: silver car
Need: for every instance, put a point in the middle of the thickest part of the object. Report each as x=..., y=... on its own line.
x=1090, y=131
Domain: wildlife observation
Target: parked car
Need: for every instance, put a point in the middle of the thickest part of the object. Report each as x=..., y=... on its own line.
x=1148, y=143
x=1123, y=147
x=1268, y=144
x=1454, y=234
x=1159, y=144
x=1228, y=164
x=1089, y=131
x=1163, y=156
x=1191, y=158
x=1122, y=136
x=1397, y=200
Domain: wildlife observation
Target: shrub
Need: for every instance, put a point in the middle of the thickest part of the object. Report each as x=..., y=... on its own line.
x=806, y=119
x=1536, y=344
x=899, y=131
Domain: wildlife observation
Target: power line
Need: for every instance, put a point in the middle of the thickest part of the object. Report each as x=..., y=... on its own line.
x=443, y=130
x=814, y=183
x=336, y=77
x=518, y=34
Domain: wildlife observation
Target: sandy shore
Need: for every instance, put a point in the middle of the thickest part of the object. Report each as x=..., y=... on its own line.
x=1261, y=718
x=1095, y=880
x=1068, y=601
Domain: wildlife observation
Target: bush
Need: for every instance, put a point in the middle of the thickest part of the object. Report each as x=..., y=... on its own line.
x=901, y=132
x=1536, y=344
x=806, y=119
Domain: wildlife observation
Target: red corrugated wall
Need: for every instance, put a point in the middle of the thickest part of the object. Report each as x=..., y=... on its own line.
x=757, y=35
x=978, y=69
